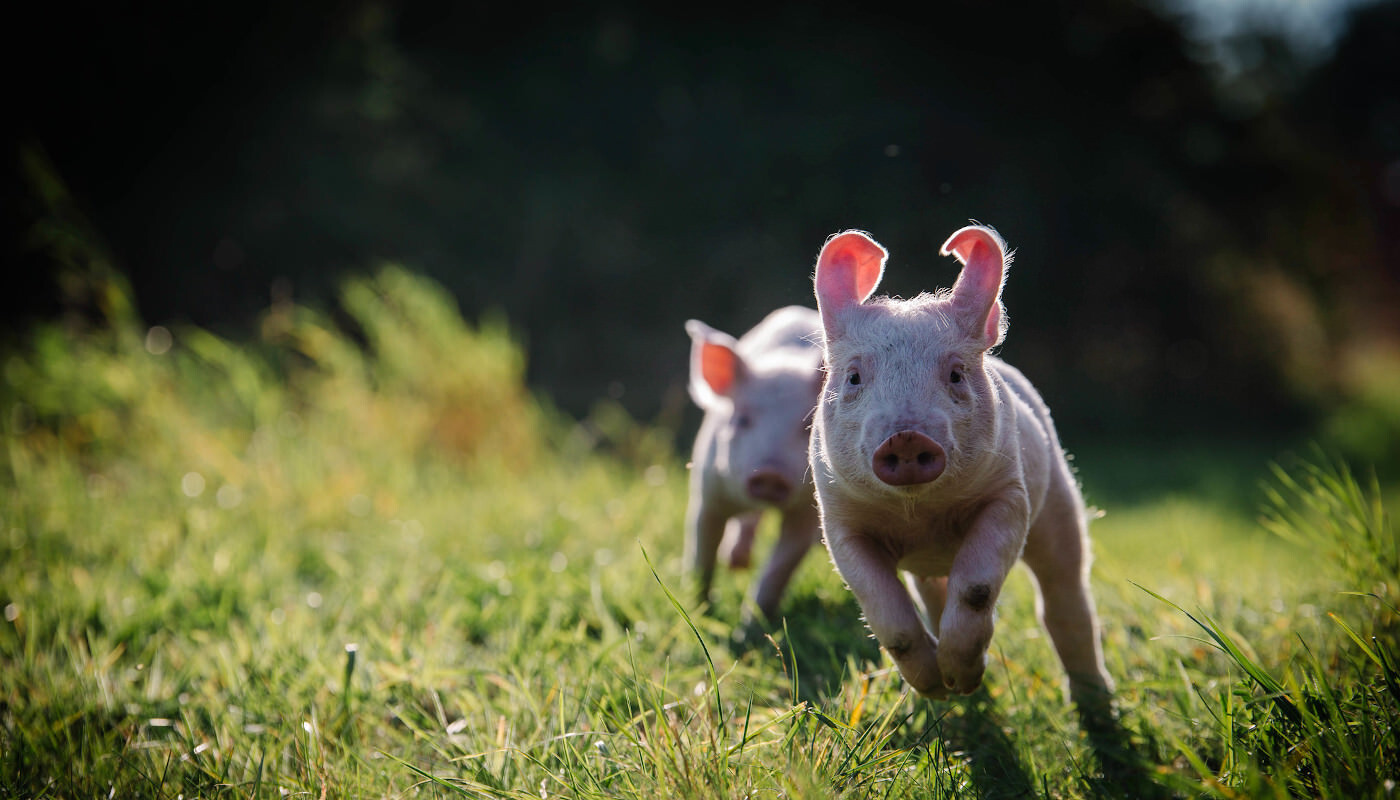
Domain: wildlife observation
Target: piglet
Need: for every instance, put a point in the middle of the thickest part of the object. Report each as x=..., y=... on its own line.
x=758, y=394
x=935, y=458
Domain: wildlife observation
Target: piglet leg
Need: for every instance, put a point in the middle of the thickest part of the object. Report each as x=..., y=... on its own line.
x=798, y=533
x=704, y=531
x=869, y=570
x=979, y=569
x=737, y=549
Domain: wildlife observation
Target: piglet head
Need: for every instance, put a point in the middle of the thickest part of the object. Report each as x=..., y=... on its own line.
x=761, y=409
x=909, y=406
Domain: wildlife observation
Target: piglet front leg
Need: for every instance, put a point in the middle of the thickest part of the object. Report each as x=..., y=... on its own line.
x=704, y=532
x=800, y=529
x=990, y=549
x=869, y=570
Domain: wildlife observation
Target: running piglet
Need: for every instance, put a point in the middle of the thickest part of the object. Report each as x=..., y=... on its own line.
x=934, y=458
x=758, y=394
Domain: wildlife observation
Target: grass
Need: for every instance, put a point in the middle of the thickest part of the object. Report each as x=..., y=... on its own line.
x=326, y=565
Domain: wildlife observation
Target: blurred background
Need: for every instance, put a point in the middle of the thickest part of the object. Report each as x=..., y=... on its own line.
x=1204, y=196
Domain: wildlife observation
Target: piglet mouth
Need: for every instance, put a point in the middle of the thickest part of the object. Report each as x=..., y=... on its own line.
x=767, y=486
x=909, y=458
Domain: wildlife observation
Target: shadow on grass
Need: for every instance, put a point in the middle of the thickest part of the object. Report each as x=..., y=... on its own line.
x=821, y=637
x=817, y=638
x=979, y=732
x=980, y=735
x=1126, y=758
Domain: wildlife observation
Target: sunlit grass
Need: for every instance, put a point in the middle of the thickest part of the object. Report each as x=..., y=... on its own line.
x=318, y=565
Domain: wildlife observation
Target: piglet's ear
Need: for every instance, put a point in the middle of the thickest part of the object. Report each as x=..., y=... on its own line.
x=848, y=270
x=715, y=366
x=977, y=294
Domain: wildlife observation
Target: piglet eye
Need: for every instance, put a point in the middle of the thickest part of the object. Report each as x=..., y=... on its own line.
x=853, y=379
x=955, y=377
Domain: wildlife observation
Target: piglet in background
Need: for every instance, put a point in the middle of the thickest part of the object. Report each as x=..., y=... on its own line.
x=933, y=458
x=758, y=394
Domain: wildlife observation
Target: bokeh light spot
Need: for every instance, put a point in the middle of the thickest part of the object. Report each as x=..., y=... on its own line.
x=192, y=484
x=159, y=340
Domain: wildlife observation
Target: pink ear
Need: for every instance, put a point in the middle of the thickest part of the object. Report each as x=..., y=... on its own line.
x=848, y=270
x=718, y=367
x=715, y=366
x=977, y=294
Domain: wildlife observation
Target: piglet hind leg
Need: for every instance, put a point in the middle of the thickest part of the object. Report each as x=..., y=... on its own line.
x=736, y=549
x=934, y=593
x=1057, y=553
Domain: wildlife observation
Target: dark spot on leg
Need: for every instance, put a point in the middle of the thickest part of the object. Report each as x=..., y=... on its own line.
x=898, y=648
x=977, y=596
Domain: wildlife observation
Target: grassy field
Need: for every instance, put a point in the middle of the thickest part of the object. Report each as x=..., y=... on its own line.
x=331, y=566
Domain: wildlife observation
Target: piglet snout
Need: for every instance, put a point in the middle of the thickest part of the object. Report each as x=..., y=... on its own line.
x=909, y=458
x=768, y=486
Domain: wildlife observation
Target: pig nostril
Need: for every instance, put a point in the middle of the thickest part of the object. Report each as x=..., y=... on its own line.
x=925, y=458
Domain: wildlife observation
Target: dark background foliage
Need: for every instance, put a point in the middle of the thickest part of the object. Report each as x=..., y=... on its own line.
x=1199, y=245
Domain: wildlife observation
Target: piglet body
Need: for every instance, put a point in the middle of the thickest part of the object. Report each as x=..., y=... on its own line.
x=758, y=394
x=933, y=458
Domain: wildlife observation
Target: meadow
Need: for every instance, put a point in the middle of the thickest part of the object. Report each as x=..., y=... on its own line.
x=358, y=558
